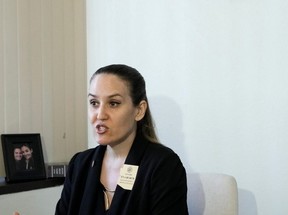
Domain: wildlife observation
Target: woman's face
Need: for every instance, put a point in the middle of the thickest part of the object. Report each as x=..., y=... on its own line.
x=111, y=111
x=17, y=154
x=27, y=152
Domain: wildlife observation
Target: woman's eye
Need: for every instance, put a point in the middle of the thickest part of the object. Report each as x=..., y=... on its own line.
x=114, y=104
x=93, y=102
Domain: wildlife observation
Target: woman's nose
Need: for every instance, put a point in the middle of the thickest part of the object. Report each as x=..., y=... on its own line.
x=102, y=112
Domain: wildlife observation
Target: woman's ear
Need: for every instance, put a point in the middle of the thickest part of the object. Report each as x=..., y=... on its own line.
x=141, y=110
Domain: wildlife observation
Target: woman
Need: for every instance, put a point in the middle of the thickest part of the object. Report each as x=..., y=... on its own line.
x=129, y=172
x=17, y=154
x=19, y=164
x=27, y=153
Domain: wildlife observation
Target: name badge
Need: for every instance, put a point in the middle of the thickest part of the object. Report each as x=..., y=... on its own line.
x=127, y=176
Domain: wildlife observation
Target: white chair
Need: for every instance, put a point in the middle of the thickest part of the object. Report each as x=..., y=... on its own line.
x=212, y=194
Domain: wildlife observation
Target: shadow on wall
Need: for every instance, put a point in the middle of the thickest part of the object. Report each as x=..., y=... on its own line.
x=197, y=206
x=247, y=203
x=169, y=125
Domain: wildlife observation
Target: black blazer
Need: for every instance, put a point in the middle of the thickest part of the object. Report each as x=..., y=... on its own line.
x=160, y=187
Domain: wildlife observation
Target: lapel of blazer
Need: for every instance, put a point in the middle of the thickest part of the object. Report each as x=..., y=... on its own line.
x=134, y=158
x=93, y=189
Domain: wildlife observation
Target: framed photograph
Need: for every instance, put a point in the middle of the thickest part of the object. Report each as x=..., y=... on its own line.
x=23, y=157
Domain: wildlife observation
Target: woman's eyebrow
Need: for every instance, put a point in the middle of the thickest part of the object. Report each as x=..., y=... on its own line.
x=115, y=95
x=110, y=96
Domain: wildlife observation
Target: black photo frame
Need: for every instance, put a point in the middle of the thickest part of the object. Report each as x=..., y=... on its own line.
x=27, y=166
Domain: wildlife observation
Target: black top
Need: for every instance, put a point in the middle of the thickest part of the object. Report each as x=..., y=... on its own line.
x=160, y=187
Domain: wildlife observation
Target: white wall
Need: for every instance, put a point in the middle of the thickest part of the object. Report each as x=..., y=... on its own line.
x=216, y=75
x=35, y=202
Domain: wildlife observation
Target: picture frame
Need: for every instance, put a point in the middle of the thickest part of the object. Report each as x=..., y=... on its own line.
x=23, y=157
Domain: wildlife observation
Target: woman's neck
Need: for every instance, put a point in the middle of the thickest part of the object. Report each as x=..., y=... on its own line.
x=121, y=150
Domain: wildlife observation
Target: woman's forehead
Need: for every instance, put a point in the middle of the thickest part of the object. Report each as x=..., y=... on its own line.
x=108, y=84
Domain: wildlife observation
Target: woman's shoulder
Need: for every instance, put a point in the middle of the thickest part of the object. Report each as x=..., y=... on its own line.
x=160, y=151
x=85, y=153
x=159, y=147
x=160, y=159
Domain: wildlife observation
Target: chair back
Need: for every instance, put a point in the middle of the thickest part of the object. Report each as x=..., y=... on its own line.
x=212, y=194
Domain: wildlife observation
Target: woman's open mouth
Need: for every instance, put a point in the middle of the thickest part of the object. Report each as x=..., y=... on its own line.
x=101, y=129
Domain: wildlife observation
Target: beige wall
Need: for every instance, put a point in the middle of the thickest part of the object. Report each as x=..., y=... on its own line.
x=43, y=74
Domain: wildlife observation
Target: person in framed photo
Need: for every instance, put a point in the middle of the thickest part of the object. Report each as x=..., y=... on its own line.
x=18, y=158
x=27, y=152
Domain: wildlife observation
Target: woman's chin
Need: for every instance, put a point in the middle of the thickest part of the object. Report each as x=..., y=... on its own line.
x=101, y=142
